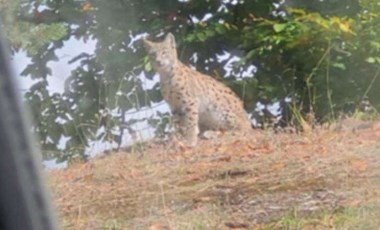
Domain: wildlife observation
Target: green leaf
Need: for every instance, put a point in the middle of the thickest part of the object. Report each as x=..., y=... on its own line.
x=147, y=64
x=210, y=33
x=339, y=65
x=220, y=29
x=279, y=27
x=251, y=54
x=190, y=38
x=375, y=44
x=201, y=36
x=371, y=60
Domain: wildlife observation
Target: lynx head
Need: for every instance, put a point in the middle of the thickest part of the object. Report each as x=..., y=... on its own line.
x=163, y=55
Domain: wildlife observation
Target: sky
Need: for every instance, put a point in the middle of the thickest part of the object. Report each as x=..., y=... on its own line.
x=61, y=70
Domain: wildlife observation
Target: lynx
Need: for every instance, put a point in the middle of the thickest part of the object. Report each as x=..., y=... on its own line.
x=197, y=101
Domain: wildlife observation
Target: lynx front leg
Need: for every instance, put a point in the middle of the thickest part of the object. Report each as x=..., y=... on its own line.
x=177, y=121
x=189, y=124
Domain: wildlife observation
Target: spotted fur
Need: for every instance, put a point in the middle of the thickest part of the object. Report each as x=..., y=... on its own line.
x=197, y=101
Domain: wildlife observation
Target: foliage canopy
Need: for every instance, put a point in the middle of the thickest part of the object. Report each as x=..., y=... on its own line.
x=312, y=56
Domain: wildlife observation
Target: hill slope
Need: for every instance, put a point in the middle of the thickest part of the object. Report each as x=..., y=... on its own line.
x=324, y=179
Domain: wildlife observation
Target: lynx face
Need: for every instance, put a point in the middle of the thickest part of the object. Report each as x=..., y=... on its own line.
x=163, y=55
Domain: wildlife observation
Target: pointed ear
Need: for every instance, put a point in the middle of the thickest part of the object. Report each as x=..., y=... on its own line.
x=171, y=40
x=147, y=44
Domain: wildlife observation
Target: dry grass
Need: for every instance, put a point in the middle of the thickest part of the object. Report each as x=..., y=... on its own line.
x=326, y=179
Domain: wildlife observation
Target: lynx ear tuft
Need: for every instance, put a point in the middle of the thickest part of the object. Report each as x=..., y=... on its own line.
x=170, y=39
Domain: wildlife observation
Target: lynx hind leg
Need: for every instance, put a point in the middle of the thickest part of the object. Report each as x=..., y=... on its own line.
x=239, y=123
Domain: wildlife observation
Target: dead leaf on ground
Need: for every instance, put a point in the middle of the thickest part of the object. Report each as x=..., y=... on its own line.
x=202, y=199
x=135, y=173
x=159, y=227
x=359, y=165
x=278, y=166
x=322, y=150
x=224, y=158
x=195, y=177
x=86, y=178
x=264, y=148
x=355, y=203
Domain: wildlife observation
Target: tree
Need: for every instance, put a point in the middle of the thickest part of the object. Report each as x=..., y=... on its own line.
x=323, y=57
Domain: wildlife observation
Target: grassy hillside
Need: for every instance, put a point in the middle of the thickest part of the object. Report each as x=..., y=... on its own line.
x=328, y=178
